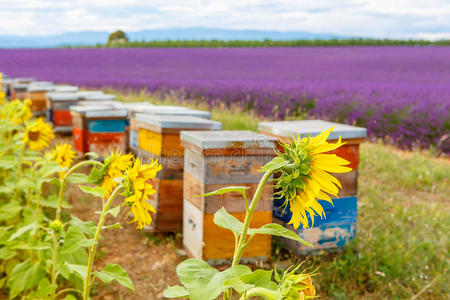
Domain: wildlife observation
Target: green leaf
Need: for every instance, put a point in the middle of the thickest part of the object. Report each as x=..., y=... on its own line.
x=75, y=239
x=7, y=253
x=87, y=227
x=78, y=178
x=275, y=164
x=70, y=297
x=278, y=230
x=50, y=168
x=115, y=272
x=239, y=189
x=96, y=175
x=80, y=257
x=238, y=285
x=23, y=230
x=24, y=276
x=96, y=191
x=260, y=278
x=224, y=220
x=80, y=270
x=114, y=211
x=52, y=201
x=113, y=226
x=10, y=210
x=175, y=291
x=203, y=282
x=45, y=289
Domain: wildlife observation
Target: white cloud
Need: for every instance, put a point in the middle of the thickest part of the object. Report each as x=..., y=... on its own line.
x=368, y=18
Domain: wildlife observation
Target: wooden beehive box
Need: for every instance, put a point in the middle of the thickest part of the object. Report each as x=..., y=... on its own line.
x=215, y=160
x=159, y=138
x=161, y=110
x=37, y=93
x=19, y=91
x=58, y=110
x=98, y=128
x=339, y=227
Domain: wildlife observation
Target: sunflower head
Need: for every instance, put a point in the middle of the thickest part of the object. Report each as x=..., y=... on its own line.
x=293, y=285
x=114, y=167
x=305, y=178
x=137, y=190
x=63, y=155
x=38, y=135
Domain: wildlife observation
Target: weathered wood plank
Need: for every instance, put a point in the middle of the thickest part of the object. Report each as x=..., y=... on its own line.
x=232, y=202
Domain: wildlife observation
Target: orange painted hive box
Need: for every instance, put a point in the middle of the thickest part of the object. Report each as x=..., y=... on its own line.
x=37, y=93
x=58, y=110
x=159, y=138
x=215, y=160
x=98, y=128
x=339, y=226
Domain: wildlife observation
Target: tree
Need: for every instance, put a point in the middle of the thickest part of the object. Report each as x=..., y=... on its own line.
x=117, y=37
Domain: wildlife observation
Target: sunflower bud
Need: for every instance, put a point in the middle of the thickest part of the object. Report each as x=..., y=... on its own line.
x=56, y=225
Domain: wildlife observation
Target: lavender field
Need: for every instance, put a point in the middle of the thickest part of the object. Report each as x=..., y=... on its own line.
x=401, y=94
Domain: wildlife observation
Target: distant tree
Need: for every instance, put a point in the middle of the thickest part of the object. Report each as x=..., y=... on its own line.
x=117, y=37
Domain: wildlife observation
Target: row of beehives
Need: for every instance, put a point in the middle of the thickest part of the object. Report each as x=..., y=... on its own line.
x=198, y=157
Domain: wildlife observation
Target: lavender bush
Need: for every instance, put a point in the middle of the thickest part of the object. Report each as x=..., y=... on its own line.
x=399, y=93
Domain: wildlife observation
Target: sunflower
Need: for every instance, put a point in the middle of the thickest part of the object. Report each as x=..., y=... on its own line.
x=307, y=179
x=138, y=190
x=115, y=165
x=63, y=155
x=38, y=135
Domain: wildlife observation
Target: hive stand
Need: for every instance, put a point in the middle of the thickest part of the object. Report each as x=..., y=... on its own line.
x=98, y=128
x=339, y=227
x=215, y=160
x=159, y=138
x=58, y=110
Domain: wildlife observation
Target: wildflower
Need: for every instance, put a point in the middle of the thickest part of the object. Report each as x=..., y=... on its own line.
x=63, y=155
x=138, y=190
x=38, y=135
x=307, y=179
x=115, y=166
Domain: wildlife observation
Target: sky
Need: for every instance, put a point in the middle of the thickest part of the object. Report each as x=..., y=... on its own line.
x=425, y=19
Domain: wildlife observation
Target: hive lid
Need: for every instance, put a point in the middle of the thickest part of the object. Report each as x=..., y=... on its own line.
x=173, y=110
x=23, y=80
x=133, y=106
x=62, y=96
x=112, y=103
x=65, y=89
x=40, y=87
x=82, y=95
x=311, y=128
x=228, y=139
x=177, y=122
x=100, y=97
x=101, y=110
x=20, y=86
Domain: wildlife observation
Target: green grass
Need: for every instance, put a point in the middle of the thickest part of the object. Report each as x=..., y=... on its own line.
x=401, y=249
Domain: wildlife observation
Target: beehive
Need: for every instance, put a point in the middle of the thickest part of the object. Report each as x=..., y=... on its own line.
x=162, y=110
x=37, y=93
x=159, y=138
x=215, y=160
x=58, y=110
x=85, y=95
x=65, y=89
x=19, y=91
x=98, y=129
x=339, y=227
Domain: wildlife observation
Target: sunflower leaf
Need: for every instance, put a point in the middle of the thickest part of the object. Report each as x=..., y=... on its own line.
x=228, y=189
x=278, y=230
x=96, y=191
x=224, y=220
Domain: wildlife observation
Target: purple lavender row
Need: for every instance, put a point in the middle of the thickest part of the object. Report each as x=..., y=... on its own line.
x=399, y=93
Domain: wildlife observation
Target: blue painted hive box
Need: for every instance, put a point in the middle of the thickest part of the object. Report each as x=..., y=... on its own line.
x=339, y=226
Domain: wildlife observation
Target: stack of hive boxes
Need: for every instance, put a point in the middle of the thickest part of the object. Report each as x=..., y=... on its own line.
x=19, y=88
x=98, y=128
x=215, y=160
x=339, y=227
x=58, y=110
x=159, y=138
x=37, y=93
x=158, y=110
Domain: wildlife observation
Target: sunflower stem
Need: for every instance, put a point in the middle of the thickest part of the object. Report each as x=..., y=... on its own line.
x=87, y=280
x=243, y=242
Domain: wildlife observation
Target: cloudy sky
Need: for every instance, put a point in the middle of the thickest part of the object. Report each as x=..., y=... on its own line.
x=429, y=19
